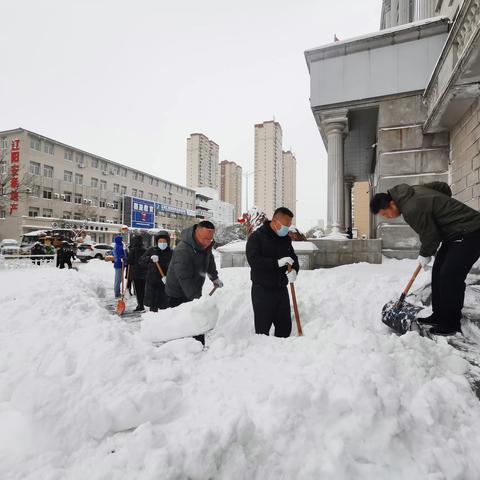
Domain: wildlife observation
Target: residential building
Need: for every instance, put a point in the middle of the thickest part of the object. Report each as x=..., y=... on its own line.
x=209, y=207
x=268, y=175
x=231, y=185
x=202, y=161
x=290, y=181
x=401, y=106
x=66, y=186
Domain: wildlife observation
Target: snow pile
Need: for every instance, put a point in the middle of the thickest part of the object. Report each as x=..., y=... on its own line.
x=189, y=319
x=84, y=395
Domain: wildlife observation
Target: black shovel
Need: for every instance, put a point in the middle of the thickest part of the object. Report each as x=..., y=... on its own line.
x=399, y=315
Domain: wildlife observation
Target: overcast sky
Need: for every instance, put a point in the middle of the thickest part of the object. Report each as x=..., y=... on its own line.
x=131, y=80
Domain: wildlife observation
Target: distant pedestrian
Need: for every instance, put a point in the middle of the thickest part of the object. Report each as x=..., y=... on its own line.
x=37, y=250
x=65, y=255
x=155, y=296
x=118, y=263
x=138, y=270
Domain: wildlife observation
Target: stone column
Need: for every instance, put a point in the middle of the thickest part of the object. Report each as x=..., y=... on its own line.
x=348, y=201
x=335, y=125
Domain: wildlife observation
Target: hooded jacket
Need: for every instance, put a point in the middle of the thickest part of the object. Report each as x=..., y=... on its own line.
x=189, y=266
x=264, y=249
x=118, y=253
x=434, y=215
x=138, y=270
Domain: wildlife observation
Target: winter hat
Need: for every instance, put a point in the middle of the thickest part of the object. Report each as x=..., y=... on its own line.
x=137, y=241
x=162, y=234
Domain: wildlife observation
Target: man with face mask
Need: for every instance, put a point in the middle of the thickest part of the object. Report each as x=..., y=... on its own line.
x=438, y=218
x=269, y=252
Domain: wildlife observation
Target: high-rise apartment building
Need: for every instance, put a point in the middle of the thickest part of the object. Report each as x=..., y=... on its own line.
x=231, y=185
x=289, y=181
x=202, y=162
x=268, y=166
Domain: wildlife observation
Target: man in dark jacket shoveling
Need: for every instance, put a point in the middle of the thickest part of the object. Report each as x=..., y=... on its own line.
x=269, y=252
x=438, y=219
x=192, y=261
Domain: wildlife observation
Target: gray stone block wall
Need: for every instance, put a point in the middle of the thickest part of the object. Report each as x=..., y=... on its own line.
x=406, y=155
x=332, y=253
x=465, y=154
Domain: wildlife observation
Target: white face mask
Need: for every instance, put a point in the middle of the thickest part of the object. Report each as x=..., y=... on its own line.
x=162, y=245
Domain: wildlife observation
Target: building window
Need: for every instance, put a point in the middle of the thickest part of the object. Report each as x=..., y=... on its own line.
x=123, y=190
x=33, y=211
x=102, y=203
x=77, y=216
x=78, y=179
x=151, y=181
x=79, y=158
x=116, y=188
x=115, y=205
x=116, y=169
x=3, y=213
x=102, y=219
x=123, y=172
x=78, y=198
x=48, y=147
x=95, y=162
x=140, y=194
x=103, y=185
x=47, y=193
x=48, y=212
x=67, y=176
x=3, y=168
x=36, y=190
x=103, y=166
x=35, y=143
x=150, y=196
x=68, y=155
x=155, y=197
x=67, y=196
x=67, y=215
x=48, y=171
x=94, y=201
x=134, y=192
x=34, y=168
x=94, y=182
x=94, y=218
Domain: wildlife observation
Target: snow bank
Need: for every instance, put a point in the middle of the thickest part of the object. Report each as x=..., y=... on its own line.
x=86, y=395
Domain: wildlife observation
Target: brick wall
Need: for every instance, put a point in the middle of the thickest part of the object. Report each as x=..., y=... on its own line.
x=465, y=158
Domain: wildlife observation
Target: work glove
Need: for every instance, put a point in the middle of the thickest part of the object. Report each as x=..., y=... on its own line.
x=154, y=258
x=424, y=261
x=284, y=261
x=164, y=280
x=292, y=276
x=218, y=283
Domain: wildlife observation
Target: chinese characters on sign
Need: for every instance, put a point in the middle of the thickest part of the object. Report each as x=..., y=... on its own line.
x=143, y=214
x=14, y=169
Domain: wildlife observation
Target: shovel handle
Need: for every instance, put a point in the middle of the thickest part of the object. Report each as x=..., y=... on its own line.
x=410, y=283
x=213, y=291
x=295, y=306
x=159, y=268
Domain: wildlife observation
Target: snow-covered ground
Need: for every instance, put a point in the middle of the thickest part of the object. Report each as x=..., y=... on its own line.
x=86, y=395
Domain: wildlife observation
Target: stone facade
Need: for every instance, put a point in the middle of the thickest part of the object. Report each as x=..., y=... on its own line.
x=465, y=152
x=332, y=253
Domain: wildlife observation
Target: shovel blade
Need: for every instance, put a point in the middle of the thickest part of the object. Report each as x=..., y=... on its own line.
x=399, y=317
x=120, y=307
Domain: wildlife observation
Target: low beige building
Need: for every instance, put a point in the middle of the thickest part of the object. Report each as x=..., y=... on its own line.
x=64, y=186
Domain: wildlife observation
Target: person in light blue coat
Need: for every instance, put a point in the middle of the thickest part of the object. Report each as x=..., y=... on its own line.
x=118, y=262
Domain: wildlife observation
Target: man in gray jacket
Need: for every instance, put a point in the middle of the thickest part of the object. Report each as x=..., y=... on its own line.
x=192, y=261
x=438, y=219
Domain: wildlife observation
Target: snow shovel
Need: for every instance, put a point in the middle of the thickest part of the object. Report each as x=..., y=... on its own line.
x=295, y=307
x=121, y=302
x=399, y=315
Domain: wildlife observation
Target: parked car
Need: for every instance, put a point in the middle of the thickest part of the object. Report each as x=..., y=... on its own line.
x=57, y=235
x=87, y=251
x=9, y=246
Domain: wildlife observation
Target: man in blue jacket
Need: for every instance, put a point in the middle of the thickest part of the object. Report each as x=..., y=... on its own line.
x=118, y=259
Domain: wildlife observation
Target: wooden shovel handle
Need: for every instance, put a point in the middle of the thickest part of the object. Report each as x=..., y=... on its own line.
x=410, y=283
x=159, y=268
x=295, y=306
x=213, y=291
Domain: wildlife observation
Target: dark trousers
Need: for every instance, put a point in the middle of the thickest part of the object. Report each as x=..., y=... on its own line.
x=175, y=302
x=271, y=307
x=139, y=290
x=452, y=264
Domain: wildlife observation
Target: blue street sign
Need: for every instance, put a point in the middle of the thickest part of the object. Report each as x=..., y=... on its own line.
x=143, y=213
